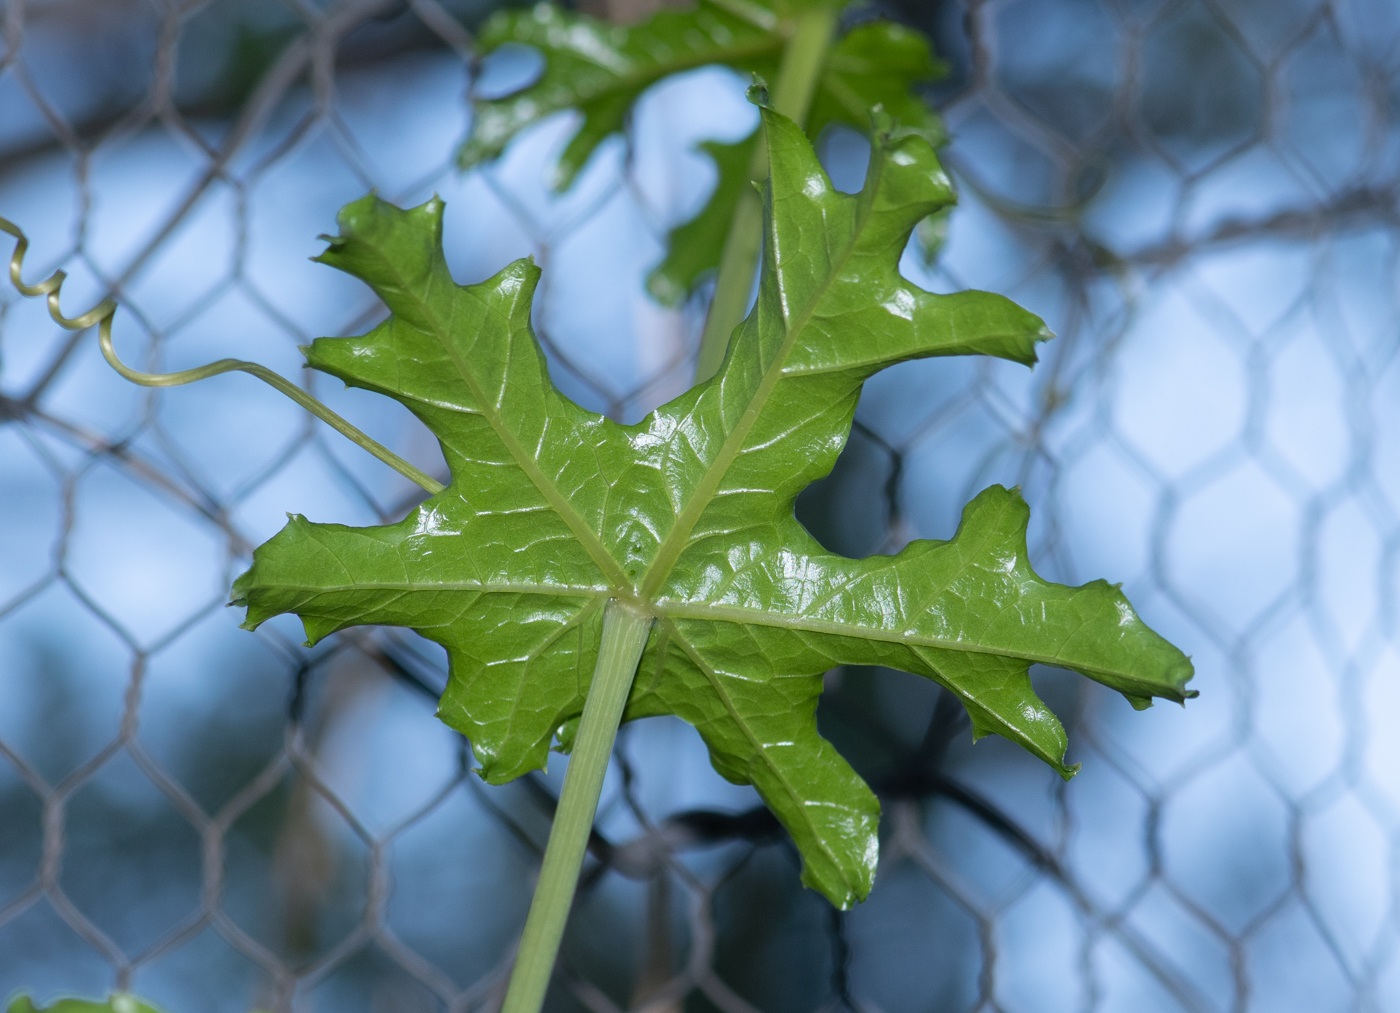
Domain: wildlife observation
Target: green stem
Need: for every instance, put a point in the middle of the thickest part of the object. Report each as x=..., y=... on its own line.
x=102, y=314
x=281, y=383
x=625, y=631
x=792, y=96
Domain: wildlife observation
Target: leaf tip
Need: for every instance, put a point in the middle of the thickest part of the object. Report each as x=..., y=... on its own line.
x=841, y=895
x=333, y=244
x=757, y=93
x=318, y=628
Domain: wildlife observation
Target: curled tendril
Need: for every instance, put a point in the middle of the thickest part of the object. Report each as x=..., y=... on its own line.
x=102, y=314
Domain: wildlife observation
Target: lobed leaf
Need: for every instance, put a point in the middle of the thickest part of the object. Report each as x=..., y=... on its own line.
x=689, y=513
x=602, y=69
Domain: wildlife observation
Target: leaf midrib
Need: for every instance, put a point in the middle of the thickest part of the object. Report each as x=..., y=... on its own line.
x=763, y=617
x=679, y=538
x=738, y=614
x=603, y=559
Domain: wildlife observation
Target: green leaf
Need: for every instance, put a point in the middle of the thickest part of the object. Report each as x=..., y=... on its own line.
x=875, y=65
x=878, y=63
x=694, y=247
x=552, y=510
x=600, y=69
x=933, y=234
x=119, y=1003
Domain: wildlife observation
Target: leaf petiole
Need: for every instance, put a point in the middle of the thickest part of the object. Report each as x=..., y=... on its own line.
x=797, y=81
x=625, y=631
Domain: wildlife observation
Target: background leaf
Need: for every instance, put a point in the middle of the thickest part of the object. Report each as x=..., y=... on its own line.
x=875, y=64
x=601, y=70
x=553, y=509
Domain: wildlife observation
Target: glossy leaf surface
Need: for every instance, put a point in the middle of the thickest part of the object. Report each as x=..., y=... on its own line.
x=553, y=509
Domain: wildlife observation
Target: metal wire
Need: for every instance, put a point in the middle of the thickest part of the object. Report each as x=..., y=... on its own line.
x=1201, y=197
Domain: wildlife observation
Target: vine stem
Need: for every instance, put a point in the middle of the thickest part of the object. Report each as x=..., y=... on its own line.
x=275, y=380
x=803, y=58
x=625, y=631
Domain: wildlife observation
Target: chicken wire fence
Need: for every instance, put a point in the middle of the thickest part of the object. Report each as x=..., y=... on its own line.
x=1200, y=198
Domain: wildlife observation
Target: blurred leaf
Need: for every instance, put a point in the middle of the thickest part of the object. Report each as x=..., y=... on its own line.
x=602, y=69
x=552, y=510
x=251, y=56
x=875, y=64
x=695, y=247
x=121, y=1002
x=933, y=234
x=243, y=56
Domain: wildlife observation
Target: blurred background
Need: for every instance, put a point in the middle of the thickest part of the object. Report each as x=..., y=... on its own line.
x=1200, y=197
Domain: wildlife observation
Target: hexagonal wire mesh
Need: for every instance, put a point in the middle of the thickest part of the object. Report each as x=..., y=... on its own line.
x=1199, y=196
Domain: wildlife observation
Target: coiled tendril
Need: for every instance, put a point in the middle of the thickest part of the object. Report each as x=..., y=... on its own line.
x=102, y=315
